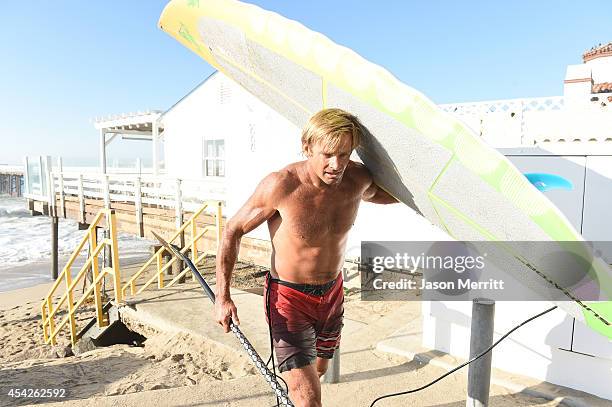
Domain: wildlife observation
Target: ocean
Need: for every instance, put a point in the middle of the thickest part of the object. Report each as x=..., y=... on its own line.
x=25, y=245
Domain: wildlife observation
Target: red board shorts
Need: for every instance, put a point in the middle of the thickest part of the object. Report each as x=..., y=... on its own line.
x=306, y=320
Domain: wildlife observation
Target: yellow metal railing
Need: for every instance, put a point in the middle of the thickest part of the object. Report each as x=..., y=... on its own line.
x=192, y=227
x=49, y=309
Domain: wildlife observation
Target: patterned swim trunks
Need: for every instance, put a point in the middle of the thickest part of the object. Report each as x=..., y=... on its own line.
x=306, y=320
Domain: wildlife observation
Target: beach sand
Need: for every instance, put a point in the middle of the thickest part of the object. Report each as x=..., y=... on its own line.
x=178, y=369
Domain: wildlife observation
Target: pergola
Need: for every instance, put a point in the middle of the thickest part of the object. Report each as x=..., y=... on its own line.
x=131, y=126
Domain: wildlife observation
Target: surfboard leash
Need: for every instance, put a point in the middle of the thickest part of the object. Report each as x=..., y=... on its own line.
x=466, y=363
x=270, y=377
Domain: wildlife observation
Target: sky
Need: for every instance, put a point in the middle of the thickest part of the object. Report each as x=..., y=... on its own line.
x=65, y=62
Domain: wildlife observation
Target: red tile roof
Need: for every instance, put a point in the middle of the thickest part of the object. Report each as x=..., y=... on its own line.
x=602, y=87
x=599, y=51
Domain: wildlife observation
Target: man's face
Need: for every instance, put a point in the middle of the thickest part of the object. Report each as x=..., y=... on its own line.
x=330, y=165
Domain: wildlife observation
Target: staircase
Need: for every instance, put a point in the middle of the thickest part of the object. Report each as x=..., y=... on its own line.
x=107, y=321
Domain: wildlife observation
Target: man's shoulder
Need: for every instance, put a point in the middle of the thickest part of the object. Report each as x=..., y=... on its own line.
x=287, y=174
x=359, y=172
x=281, y=180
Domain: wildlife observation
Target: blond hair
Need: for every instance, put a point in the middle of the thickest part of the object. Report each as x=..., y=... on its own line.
x=327, y=127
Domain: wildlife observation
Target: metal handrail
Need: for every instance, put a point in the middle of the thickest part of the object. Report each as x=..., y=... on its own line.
x=49, y=309
x=190, y=245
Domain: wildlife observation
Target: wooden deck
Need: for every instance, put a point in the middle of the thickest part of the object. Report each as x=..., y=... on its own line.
x=161, y=220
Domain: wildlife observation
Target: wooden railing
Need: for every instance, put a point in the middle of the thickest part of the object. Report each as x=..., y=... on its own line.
x=54, y=185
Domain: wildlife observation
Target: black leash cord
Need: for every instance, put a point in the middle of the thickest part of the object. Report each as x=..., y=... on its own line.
x=271, y=358
x=466, y=363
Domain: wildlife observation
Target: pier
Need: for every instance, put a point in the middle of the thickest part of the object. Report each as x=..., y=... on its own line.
x=11, y=181
x=143, y=202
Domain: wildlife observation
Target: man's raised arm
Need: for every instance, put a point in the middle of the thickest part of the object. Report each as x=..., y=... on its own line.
x=259, y=208
x=374, y=193
x=377, y=195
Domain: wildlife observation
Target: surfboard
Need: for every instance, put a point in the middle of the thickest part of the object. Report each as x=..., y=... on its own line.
x=425, y=157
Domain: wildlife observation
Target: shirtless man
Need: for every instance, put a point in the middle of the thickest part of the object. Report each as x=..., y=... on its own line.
x=310, y=207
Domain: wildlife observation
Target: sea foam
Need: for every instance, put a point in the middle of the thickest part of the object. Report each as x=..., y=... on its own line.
x=25, y=245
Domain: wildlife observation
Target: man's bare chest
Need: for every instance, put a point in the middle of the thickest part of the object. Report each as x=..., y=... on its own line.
x=310, y=215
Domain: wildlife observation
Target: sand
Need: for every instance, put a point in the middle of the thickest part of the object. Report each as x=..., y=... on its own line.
x=177, y=369
x=165, y=361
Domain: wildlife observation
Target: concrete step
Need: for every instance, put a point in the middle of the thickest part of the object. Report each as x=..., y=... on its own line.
x=92, y=329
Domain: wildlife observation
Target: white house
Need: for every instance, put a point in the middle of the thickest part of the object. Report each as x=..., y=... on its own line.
x=228, y=138
x=225, y=135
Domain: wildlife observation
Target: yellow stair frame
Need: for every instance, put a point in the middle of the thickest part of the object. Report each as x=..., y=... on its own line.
x=49, y=309
x=190, y=225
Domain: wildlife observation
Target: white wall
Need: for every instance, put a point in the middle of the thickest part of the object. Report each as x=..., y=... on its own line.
x=541, y=349
x=259, y=141
x=265, y=143
x=525, y=122
x=597, y=212
x=503, y=129
x=538, y=349
x=184, y=126
x=589, y=121
x=575, y=92
x=601, y=69
x=582, y=125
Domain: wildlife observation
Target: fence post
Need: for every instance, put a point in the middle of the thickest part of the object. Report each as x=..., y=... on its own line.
x=178, y=223
x=106, y=191
x=160, y=264
x=219, y=223
x=333, y=373
x=54, y=247
x=41, y=180
x=51, y=320
x=71, y=317
x=95, y=272
x=112, y=224
x=61, y=186
x=26, y=173
x=481, y=338
x=194, y=244
x=138, y=203
x=51, y=184
x=81, y=199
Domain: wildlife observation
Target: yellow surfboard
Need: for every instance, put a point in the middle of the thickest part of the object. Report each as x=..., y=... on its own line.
x=420, y=154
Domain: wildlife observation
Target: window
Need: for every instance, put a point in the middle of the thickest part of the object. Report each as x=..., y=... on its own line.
x=214, y=158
